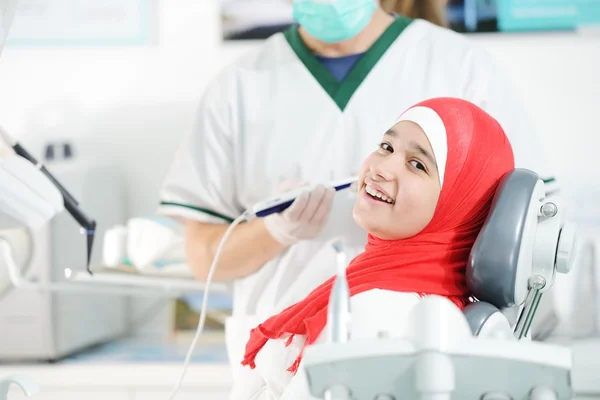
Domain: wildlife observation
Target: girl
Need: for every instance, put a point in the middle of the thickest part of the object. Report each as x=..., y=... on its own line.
x=423, y=196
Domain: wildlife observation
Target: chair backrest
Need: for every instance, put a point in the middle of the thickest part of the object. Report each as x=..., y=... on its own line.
x=523, y=243
x=493, y=273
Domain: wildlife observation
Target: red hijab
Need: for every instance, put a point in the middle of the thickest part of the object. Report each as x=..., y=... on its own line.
x=478, y=155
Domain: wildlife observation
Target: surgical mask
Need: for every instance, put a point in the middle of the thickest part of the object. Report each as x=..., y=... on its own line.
x=333, y=21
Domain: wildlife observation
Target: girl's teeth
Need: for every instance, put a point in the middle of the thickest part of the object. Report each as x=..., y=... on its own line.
x=375, y=193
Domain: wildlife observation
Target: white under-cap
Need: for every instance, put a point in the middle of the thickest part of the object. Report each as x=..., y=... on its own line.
x=433, y=126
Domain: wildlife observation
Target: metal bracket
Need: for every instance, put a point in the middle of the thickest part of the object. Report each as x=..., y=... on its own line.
x=534, y=295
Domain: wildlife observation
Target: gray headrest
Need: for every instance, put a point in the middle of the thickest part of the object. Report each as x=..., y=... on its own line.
x=477, y=315
x=493, y=263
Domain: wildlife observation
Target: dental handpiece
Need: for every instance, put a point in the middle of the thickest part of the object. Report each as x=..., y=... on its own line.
x=338, y=311
x=282, y=201
x=87, y=224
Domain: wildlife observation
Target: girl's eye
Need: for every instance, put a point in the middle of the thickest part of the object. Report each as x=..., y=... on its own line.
x=386, y=147
x=418, y=165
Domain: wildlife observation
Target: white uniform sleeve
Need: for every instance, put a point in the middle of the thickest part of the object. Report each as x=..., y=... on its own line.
x=495, y=94
x=200, y=184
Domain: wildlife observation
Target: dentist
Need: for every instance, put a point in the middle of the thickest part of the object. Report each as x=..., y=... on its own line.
x=309, y=105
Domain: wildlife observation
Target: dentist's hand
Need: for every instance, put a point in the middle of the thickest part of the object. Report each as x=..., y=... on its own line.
x=304, y=219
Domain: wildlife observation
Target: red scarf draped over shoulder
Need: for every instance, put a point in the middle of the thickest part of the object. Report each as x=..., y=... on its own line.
x=433, y=261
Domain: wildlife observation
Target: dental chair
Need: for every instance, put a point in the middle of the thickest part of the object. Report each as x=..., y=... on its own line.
x=474, y=354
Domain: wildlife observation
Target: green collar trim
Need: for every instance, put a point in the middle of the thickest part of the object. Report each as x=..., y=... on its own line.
x=341, y=92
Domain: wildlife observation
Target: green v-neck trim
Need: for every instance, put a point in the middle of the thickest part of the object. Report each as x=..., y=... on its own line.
x=341, y=92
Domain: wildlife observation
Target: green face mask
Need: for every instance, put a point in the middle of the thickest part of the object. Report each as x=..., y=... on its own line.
x=333, y=21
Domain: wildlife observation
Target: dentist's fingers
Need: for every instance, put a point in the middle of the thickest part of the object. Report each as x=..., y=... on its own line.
x=316, y=196
x=296, y=210
x=324, y=209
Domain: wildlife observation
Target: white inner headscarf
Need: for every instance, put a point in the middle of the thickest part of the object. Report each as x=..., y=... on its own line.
x=434, y=128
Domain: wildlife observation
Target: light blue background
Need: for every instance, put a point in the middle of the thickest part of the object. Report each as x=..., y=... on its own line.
x=587, y=12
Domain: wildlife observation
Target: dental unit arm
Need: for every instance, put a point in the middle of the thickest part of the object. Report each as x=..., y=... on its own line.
x=21, y=173
x=444, y=355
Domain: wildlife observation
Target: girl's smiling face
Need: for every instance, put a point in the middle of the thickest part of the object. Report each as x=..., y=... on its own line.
x=399, y=184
